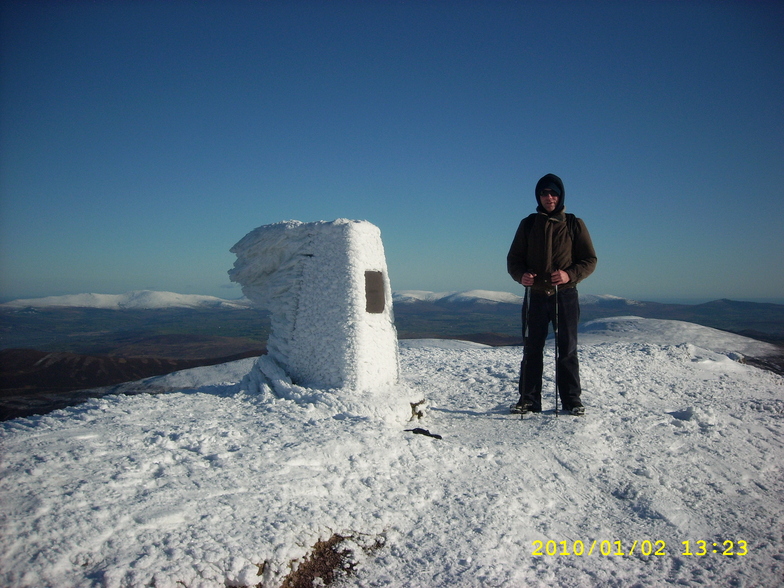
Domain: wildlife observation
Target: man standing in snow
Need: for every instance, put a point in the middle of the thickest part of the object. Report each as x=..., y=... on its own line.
x=551, y=252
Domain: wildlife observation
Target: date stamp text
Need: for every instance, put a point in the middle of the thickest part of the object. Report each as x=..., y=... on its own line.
x=644, y=547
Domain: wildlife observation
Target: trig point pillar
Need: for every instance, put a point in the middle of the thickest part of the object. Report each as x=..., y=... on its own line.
x=327, y=288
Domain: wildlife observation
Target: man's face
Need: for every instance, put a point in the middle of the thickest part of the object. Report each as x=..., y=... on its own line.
x=548, y=199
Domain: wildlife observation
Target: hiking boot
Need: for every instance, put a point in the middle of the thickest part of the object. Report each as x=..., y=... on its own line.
x=524, y=407
x=578, y=410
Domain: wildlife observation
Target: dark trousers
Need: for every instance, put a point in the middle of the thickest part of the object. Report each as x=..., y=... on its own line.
x=538, y=313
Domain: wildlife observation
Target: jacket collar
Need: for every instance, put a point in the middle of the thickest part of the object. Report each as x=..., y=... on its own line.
x=556, y=215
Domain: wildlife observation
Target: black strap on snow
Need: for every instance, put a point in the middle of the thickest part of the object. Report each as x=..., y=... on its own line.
x=425, y=432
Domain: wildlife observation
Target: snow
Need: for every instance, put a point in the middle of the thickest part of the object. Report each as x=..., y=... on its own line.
x=485, y=296
x=478, y=296
x=140, y=299
x=402, y=296
x=313, y=278
x=442, y=344
x=493, y=297
x=221, y=477
x=600, y=298
x=662, y=332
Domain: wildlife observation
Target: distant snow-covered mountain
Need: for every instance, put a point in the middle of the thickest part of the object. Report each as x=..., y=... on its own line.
x=422, y=313
x=472, y=296
x=136, y=300
x=492, y=297
x=150, y=299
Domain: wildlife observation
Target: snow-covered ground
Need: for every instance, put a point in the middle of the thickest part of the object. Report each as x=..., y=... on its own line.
x=677, y=462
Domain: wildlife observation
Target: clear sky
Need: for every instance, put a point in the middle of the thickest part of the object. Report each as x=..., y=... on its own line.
x=140, y=140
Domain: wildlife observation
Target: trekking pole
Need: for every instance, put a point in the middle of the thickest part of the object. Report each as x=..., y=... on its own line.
x=527, y=307
x=556, y=350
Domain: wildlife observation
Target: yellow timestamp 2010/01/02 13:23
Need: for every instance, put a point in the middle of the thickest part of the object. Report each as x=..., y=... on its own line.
x=645, y=547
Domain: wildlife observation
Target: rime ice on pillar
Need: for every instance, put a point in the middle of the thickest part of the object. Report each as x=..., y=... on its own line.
x=327, y=288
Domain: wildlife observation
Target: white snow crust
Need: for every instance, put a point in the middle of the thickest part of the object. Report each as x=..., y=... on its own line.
x=311, y=277
x=441, y=343
x=663, y=332
x=225, y=476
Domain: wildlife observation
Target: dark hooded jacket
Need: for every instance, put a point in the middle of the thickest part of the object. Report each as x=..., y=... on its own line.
x=546, y=242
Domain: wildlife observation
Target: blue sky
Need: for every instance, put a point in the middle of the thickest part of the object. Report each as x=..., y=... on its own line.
x=140, y=140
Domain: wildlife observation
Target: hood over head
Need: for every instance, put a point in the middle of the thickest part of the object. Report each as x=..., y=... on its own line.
x=551, y=182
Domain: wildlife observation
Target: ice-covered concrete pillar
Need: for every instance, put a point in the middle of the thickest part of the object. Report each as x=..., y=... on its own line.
x=327, y=288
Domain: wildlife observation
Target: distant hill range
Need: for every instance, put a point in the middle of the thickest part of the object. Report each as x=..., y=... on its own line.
x=136, y=300
x=179, y=326
x=495, y=317
x=57, y=345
